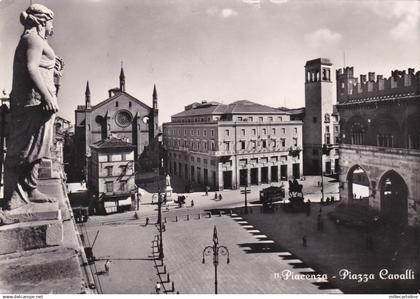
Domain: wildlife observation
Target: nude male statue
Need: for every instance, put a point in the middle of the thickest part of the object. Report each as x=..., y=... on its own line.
x=33, y=104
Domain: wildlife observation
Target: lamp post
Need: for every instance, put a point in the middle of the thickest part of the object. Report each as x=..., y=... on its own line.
x=246, y=191
x=215, y=250
x=161, y=255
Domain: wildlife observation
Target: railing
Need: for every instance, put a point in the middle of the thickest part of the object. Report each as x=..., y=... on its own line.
x=389, y=150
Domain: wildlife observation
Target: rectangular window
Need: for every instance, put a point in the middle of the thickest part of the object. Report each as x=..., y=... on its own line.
x=123, y=169
x=108, y=170
x=205, y=133
x=242, y=145
x=273, y=143
x=213, y=148
x=109, y=186
x=327, y=129
x=205, y=161
x=295, y=130
x=270, y=118
x=283, y=142
x=250, y=118
x=264, y=144
x=226, y=132
x=254, y=131
x=253, y=144
x=295, y=141
x=227, y=147
x=123, y=185
x=239, y=118
x=198, y=132
x=192, y=159
x=279, y=118
x=283, y=131
x=212, y=133
x=243, y=132
x=260, y=119
x=264, y=131
x=273, y=131
x=198, y=160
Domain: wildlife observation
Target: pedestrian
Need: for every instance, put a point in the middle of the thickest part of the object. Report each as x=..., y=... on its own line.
x=215, y=195
x=107, y=265
x=136, y=216
x=147, y=220
x=308, y=208
x=332, y=199
x=192, y=203
x=327, y=201
x=207, y=190
x=158, y=287
x=322, y=201
x=220, y=196
x=163, y=227
x=304, y=241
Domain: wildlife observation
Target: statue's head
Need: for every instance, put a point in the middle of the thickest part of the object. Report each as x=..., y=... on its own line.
x=37, y=15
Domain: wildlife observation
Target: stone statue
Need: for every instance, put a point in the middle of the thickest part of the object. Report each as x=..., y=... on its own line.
x=168, y=181
x=33, y=104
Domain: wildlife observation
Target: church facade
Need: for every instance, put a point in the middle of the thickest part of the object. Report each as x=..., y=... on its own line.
x=120, y=115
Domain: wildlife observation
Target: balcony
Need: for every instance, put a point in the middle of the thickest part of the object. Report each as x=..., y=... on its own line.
x=220, y=153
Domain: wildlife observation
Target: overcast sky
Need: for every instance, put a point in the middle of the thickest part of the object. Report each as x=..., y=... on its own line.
x=214, y=50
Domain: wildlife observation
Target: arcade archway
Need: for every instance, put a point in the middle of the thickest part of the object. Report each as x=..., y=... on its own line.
x=394, y=195
x=358, y=184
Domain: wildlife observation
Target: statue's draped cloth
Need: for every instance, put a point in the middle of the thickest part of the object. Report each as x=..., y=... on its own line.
x=30, y=129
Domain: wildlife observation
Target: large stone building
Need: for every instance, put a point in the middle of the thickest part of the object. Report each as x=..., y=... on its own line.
x=320, y=121
x=120, y=115
x=380, y=121
x=111, y=174
x=227, y=146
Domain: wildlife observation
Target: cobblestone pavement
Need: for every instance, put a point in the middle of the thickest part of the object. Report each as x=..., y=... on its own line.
x=337, y=247
x=129, y=248
x=249, y=272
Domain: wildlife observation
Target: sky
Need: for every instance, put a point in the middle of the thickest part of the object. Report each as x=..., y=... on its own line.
x=214, y=50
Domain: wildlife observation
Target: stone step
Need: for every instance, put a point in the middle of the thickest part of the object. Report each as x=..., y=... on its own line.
x=36, y=212
x=30, y=235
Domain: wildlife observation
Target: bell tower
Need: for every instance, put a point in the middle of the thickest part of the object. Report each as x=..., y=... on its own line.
x=318, y=110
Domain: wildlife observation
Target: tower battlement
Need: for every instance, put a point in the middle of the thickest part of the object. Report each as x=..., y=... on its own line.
x=400, y=82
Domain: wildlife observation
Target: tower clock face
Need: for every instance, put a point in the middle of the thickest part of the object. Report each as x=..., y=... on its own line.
x=123, y=118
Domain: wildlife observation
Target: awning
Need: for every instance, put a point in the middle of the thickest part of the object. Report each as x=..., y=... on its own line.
x=125, y=202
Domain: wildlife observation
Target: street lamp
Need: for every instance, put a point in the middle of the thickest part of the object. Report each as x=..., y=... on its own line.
x=161, y=255
x=215, y=250
x=246, y=191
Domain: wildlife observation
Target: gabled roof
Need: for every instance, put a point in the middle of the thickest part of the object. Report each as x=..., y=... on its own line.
x=112, y=143
x=118, y=95
x=238, y=107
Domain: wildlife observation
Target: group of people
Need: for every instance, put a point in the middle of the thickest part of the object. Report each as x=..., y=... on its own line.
x=328, y=200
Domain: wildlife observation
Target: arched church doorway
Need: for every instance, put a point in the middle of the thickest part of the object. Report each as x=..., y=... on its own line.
x=394, y=194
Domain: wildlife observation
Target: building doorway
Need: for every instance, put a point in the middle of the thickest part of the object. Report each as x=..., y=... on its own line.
x=227, y=179
x=214, y=180
x=206, y=177
x=274, y=173
x=186, y=171
x=328, y=167
x=192, y=174
x=394, y=194
x=296, y=170
x=254, y=176
x=358, y=184
x=283, y=172
x=264, y=175
x=243, y=177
